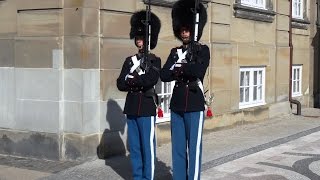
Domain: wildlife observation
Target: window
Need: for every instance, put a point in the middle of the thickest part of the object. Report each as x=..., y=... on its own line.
x=257, y=10
x=296, y=80
x=299, y=13
x=167, y=3
x=164, y=90
x=297, y=9
x=254, y=3
x=252, y=87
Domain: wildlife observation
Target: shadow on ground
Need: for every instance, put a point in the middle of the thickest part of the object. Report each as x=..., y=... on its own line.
x=113, y=145
x=122, y=166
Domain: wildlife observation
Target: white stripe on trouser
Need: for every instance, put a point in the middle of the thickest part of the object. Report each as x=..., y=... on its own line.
x=196, y=171
x=152, y=146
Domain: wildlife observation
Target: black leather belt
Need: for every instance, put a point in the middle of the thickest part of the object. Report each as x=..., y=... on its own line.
x=189, y=83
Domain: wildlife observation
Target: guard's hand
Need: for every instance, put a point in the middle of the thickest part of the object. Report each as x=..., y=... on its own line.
x=132, y=78
x=131, y=81
x=178, y=70
x=193, y=51
x=152, y=57
x=195, y=47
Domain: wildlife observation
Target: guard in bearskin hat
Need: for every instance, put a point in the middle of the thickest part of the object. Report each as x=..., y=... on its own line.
x=187, y=65
x=138, y=76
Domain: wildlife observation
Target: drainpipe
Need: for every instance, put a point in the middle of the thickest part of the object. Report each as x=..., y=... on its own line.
x=292, y=101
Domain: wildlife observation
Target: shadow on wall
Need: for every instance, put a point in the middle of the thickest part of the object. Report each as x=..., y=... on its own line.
x=111, y=143
x=316, y=75
x=112, y=147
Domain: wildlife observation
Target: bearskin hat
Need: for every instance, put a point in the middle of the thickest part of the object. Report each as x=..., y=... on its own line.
x=138, y=28
x=182, y=16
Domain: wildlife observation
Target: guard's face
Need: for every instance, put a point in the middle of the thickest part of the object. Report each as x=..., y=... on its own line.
x=139, y=42
x=185, y=35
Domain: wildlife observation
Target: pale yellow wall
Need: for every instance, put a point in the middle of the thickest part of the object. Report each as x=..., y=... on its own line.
x=95, y=34
x=303, y=54
x=240, y=42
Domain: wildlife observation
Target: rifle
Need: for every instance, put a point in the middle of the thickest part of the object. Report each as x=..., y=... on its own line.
x=196, y=20
x=145, y=60
x=145, y=63
x=193, y=47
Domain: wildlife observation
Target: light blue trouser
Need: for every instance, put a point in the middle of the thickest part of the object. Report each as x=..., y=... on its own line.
x=141, y=136
x=186, y=137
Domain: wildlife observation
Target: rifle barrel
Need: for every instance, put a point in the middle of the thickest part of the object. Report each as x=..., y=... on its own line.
x=147, y=33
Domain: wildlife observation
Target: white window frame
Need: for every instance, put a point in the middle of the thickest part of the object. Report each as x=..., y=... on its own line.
x=297, y=9
x=251, y=86
x=254, y=3
x=296, y=80
x=165, y=104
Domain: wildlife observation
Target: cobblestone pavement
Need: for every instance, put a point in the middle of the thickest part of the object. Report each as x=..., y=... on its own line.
x=281, y=148
x=295, y=160
x=37, y=164
x=19, y=168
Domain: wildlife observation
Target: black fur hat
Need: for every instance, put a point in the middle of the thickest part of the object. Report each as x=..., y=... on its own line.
x=182, y=16
x=138, y=28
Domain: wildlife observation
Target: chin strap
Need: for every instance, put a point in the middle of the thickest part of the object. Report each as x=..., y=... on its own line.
x=186, y=43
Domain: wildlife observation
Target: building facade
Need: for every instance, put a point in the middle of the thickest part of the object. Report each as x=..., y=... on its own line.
x=59, y=61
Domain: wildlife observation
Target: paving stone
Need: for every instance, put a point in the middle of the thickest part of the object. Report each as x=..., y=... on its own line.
x=36, y=164
x=281, y=148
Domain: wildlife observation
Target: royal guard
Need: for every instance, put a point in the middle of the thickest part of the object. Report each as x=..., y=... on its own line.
x=140, y=72
x=187, y=65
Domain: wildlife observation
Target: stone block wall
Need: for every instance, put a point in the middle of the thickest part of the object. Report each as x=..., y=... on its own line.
x=59, y=61
x=52, y=71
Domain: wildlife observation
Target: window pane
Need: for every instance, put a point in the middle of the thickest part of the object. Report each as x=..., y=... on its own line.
x=260, y=93
x=246, y=78
x=241, y=94
x=297, y=8
x=259, y=2
x=255, y=3
x=294, y=8
x=166, y=104
x=255, y=78
x=296, y=80
x=247, y=94
x=255, y=93
x=166, y=87
x=241, y=78
x=260, y=78
x=246, y=1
